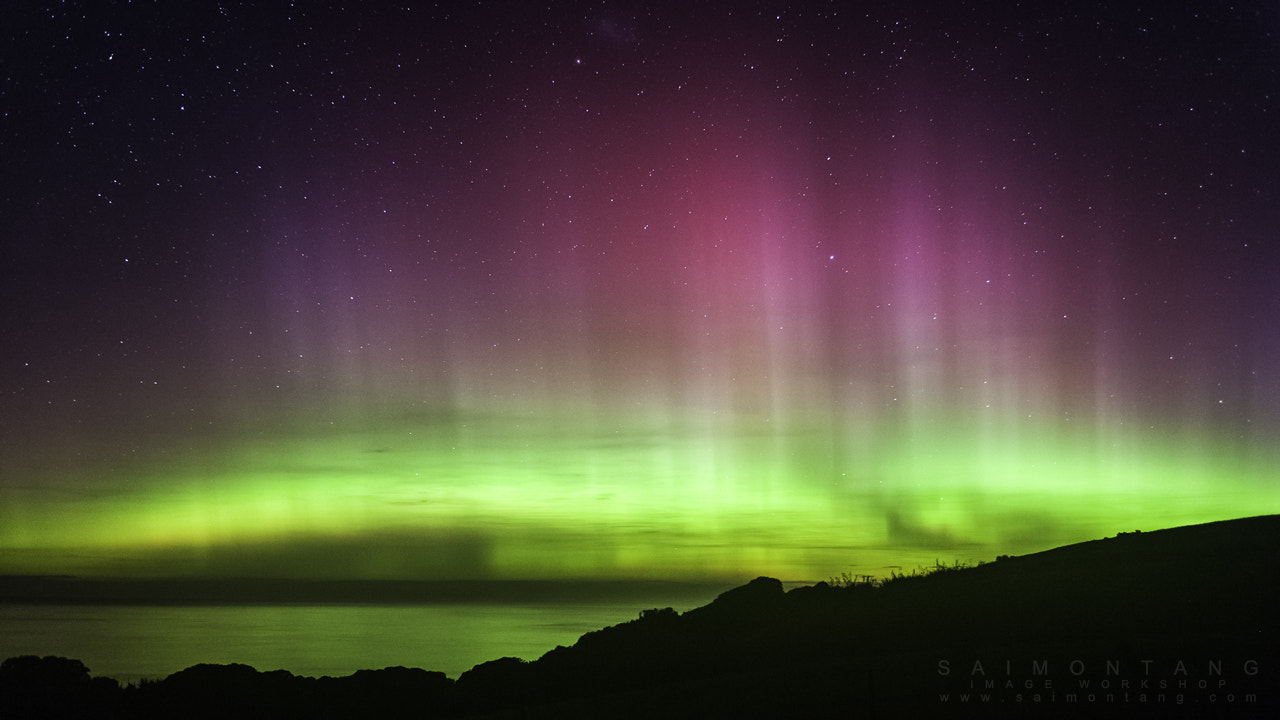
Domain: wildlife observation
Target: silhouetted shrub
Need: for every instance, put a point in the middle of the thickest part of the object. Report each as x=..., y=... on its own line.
x=393, y=692
x=224, y=691
x=848, y=581
x=938, y=568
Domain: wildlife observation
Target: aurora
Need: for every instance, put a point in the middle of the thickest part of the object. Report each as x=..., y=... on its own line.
x=397, y=294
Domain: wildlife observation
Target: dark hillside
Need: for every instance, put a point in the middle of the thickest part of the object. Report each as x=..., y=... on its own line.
x=1128, y=608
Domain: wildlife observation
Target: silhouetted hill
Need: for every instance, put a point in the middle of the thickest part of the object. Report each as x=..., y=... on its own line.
x=1127, y=608
x=1174, y=623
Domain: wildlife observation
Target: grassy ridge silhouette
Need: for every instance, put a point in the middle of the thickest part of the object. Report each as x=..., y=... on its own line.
x=1019, y=630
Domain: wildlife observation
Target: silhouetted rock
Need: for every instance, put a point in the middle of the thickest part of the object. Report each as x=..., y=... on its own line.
x=763, y=593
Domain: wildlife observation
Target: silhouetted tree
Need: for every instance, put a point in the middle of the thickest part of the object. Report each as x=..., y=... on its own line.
x=54, y=687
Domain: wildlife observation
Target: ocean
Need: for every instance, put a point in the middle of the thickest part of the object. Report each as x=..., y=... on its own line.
x=130, y=643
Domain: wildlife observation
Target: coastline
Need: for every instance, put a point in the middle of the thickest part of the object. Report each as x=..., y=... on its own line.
x=1126, y=616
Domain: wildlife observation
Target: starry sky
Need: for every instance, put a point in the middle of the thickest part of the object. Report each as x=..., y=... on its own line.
x=630, y=290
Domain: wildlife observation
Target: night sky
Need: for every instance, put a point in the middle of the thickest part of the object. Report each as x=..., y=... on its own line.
x=630, y=290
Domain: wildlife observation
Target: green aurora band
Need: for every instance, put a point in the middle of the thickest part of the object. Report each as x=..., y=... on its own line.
x=494, y=497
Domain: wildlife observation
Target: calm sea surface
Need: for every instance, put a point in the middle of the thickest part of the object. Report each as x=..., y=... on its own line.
x=130, y=642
